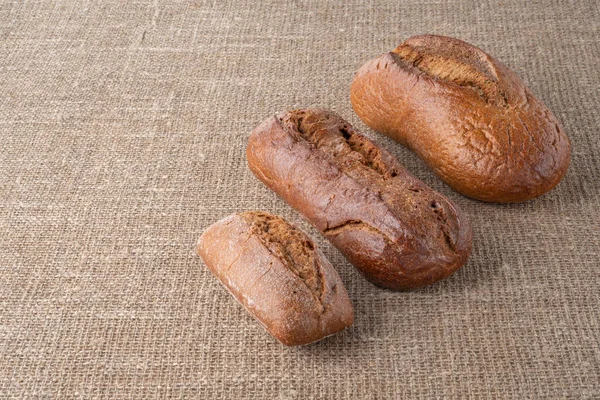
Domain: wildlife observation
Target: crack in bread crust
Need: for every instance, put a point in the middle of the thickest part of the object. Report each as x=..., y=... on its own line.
x=462, y=71
x=355, y=225
x=292, y=247
x=333, y=136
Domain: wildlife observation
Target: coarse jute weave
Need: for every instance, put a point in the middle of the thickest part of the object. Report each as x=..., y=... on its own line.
x=123, y=127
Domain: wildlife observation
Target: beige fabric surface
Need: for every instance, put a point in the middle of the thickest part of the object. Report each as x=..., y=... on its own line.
x=123, y=127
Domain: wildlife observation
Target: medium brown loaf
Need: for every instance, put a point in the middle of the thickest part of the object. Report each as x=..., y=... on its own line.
x=470, y=118
x=397, y=231
x=276, y=272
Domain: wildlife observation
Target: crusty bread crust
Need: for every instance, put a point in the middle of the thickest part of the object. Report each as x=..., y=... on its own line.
x=397, y=231
x=276, y=272
x=469, y=117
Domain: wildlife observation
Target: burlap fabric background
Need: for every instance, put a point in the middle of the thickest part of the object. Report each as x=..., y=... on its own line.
x=123, y=128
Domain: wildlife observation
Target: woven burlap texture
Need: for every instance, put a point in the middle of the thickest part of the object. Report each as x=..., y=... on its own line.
x=123, y=128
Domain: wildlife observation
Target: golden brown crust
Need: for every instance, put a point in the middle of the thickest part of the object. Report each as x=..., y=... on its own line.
x=471, y=119
x=275, y=271
x=397, y=231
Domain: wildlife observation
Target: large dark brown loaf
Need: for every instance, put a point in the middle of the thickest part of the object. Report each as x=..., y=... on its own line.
x=397, y=231
x=470, y=118
x=275, y=271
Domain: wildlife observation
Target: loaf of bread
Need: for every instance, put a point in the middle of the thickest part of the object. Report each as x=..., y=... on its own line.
x=397, y=231
x=276, y=272
x=469, y=117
